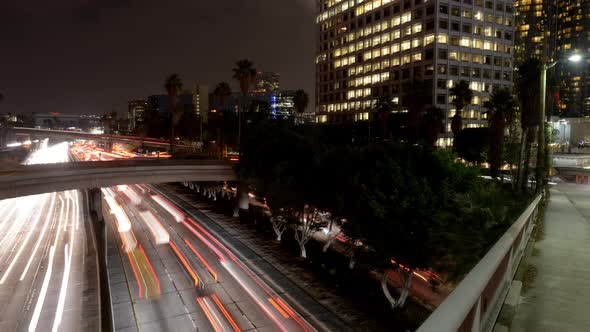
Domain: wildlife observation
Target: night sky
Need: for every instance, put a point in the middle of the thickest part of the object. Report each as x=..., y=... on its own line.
x=91, y=56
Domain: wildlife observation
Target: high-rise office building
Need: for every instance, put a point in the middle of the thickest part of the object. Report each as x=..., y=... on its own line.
x=136, y=113
x=535, y=24
x=370, y=48
x=573, y=37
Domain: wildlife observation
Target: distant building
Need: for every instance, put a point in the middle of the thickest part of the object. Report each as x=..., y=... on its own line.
x=201, y=101
x=266, y=83
x=284, y=105
x=65, y=121
x=136, y=113
x=573, y=37
x=534, y=25
x=160, y=104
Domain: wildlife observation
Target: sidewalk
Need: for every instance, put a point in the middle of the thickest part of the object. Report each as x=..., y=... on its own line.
x=559, y=297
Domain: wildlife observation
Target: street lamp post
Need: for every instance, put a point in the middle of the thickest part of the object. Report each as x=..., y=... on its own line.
x=541, y=146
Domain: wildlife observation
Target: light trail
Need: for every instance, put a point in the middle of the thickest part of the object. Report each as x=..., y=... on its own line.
x=68, y=265
x=43, y=293
x=123, y=223
x=225, y=313
x=131, y=261
x=48, y=273
x=133, y=197
x=212, y=319
x=151, y=269
x=176, y=214
x=43, y=230
x=25, y=242
x=204, y=240
x=185, y=263
x=161, y=236
x=258, y=300
x=209, y=268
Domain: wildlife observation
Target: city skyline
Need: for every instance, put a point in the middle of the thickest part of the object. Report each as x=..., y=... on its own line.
x=93, y=58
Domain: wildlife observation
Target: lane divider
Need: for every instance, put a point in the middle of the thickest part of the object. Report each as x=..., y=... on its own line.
x=185, y=263
x=209, y=268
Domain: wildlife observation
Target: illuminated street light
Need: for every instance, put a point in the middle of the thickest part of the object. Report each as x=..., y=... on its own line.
x=575, y=58
x=541, y=151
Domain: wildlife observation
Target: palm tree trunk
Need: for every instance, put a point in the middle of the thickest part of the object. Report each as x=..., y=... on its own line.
x=171, y=134
x=521, y=154
x=527, y=159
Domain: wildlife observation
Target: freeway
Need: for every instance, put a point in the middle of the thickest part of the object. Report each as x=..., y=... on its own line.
x=48, y=262
x=175, y=275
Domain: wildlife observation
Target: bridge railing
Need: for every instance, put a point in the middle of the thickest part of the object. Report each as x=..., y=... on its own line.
x=474, y=305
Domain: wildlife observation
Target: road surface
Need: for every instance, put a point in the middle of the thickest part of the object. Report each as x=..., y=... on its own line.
x=48, y=264
x=170, y=273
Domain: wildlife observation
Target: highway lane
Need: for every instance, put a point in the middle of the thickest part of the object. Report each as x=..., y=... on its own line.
x=202, y=284
x=48, y=265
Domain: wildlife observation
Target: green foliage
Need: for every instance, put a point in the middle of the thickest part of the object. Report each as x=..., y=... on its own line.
x=245, y=73
x=472, y=144
x=403, y=201
x=483, y=215
x=463, y=95
x=300, y=100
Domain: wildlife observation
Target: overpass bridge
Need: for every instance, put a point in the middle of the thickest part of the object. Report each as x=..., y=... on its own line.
x=8, y=133
x=38, y=179
x=572, y=167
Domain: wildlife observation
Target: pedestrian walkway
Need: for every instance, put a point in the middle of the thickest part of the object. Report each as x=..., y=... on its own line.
x=559, y=297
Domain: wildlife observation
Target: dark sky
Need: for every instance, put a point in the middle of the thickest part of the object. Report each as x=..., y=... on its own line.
x=91, y=56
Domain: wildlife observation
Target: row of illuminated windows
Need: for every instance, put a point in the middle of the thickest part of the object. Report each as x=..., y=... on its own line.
x=377, y=40
x=336, y=10
x=443, y=54
x=455, y=55
x=428, y=39
x=369, y=79
x=476, y=15
x=384, y=25
x=331, y=7
x=371, y=5
x=417, y=27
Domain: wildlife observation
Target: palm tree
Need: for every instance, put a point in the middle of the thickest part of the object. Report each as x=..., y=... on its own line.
x=463, y=95
x=245, y=73
x=434, y=123
x=173, y=87
x=417, y=94
x=500, y=109
x=528, y=82
x=300, y=101
x=383, y=107
x=222, y=91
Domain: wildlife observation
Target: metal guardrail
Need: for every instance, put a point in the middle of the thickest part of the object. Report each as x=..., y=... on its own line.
x=474, y=305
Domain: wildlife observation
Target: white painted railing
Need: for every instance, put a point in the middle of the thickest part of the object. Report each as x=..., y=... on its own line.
x=474, y=305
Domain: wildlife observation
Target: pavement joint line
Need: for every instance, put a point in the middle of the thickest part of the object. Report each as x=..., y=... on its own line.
x=127, y=283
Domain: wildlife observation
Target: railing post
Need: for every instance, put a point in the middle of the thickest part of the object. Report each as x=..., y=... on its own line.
x=508, y=273
x=476, y=316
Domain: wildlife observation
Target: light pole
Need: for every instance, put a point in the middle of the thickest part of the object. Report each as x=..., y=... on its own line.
x=541, y=146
